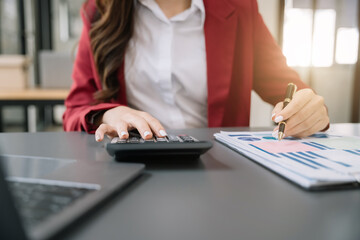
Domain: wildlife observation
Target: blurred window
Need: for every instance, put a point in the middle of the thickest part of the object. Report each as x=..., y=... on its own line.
x=347, y=45
x=297, y=36
x=320, y=33
x=9, y=27
x=66, y=24
x=323, y=38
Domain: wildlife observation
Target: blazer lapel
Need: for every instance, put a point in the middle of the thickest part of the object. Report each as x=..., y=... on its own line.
x=220, y=35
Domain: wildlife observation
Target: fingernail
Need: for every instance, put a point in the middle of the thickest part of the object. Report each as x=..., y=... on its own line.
x=146, y=133
x=163, y=133
x=279, y=119
x=97, y=137
x=273, y=115
x=122, y=134
x=275, y=134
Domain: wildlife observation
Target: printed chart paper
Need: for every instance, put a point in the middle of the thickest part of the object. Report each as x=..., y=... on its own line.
x=316, y=161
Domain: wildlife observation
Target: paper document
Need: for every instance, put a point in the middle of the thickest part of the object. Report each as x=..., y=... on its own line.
x=314, y=162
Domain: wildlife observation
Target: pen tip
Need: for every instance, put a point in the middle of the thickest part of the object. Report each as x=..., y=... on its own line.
x=280, y=136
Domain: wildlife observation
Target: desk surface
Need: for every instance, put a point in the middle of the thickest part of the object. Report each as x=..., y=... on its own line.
x=223, y=196
x=34, y=94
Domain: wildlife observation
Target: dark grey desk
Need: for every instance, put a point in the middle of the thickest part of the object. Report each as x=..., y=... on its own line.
x=224, y=196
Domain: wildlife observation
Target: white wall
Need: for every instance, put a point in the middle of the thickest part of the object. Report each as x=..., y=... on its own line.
x=335, y=84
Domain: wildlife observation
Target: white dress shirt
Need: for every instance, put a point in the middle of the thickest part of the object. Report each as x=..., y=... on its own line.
x=165, y=65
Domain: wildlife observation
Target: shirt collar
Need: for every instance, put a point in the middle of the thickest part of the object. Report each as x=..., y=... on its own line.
x=195, y=5
x=199, y=4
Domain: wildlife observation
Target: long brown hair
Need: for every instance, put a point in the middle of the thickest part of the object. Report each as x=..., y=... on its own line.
x=112, y=28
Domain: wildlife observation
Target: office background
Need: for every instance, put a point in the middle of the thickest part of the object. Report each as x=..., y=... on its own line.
x=320, y=39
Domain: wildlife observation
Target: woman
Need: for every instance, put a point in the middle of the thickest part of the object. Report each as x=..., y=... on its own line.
x=151, y=64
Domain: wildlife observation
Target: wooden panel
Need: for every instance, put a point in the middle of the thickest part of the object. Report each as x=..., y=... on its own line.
x=34, y=94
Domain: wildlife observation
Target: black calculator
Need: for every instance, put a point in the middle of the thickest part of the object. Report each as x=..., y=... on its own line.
x=172, y=147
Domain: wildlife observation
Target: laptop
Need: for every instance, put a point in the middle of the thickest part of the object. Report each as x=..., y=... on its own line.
x=40, y=197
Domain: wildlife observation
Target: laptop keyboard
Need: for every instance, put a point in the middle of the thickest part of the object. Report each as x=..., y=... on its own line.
x=36, y=202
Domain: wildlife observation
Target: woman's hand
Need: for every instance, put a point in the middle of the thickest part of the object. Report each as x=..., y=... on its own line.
x=117, y=121
x=305, y=115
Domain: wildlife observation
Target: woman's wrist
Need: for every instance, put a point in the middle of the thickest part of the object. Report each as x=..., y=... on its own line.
x=106, y=116
x=112, y=114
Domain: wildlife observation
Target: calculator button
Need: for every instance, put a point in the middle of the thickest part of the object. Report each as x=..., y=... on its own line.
x=161, y=139
x=150, y=140
x=194, y=139
x=186, y=138
x=118, y=140
x=134, y=140
x=173, y=138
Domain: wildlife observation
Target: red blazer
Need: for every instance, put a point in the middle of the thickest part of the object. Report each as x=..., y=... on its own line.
x=241, y=56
